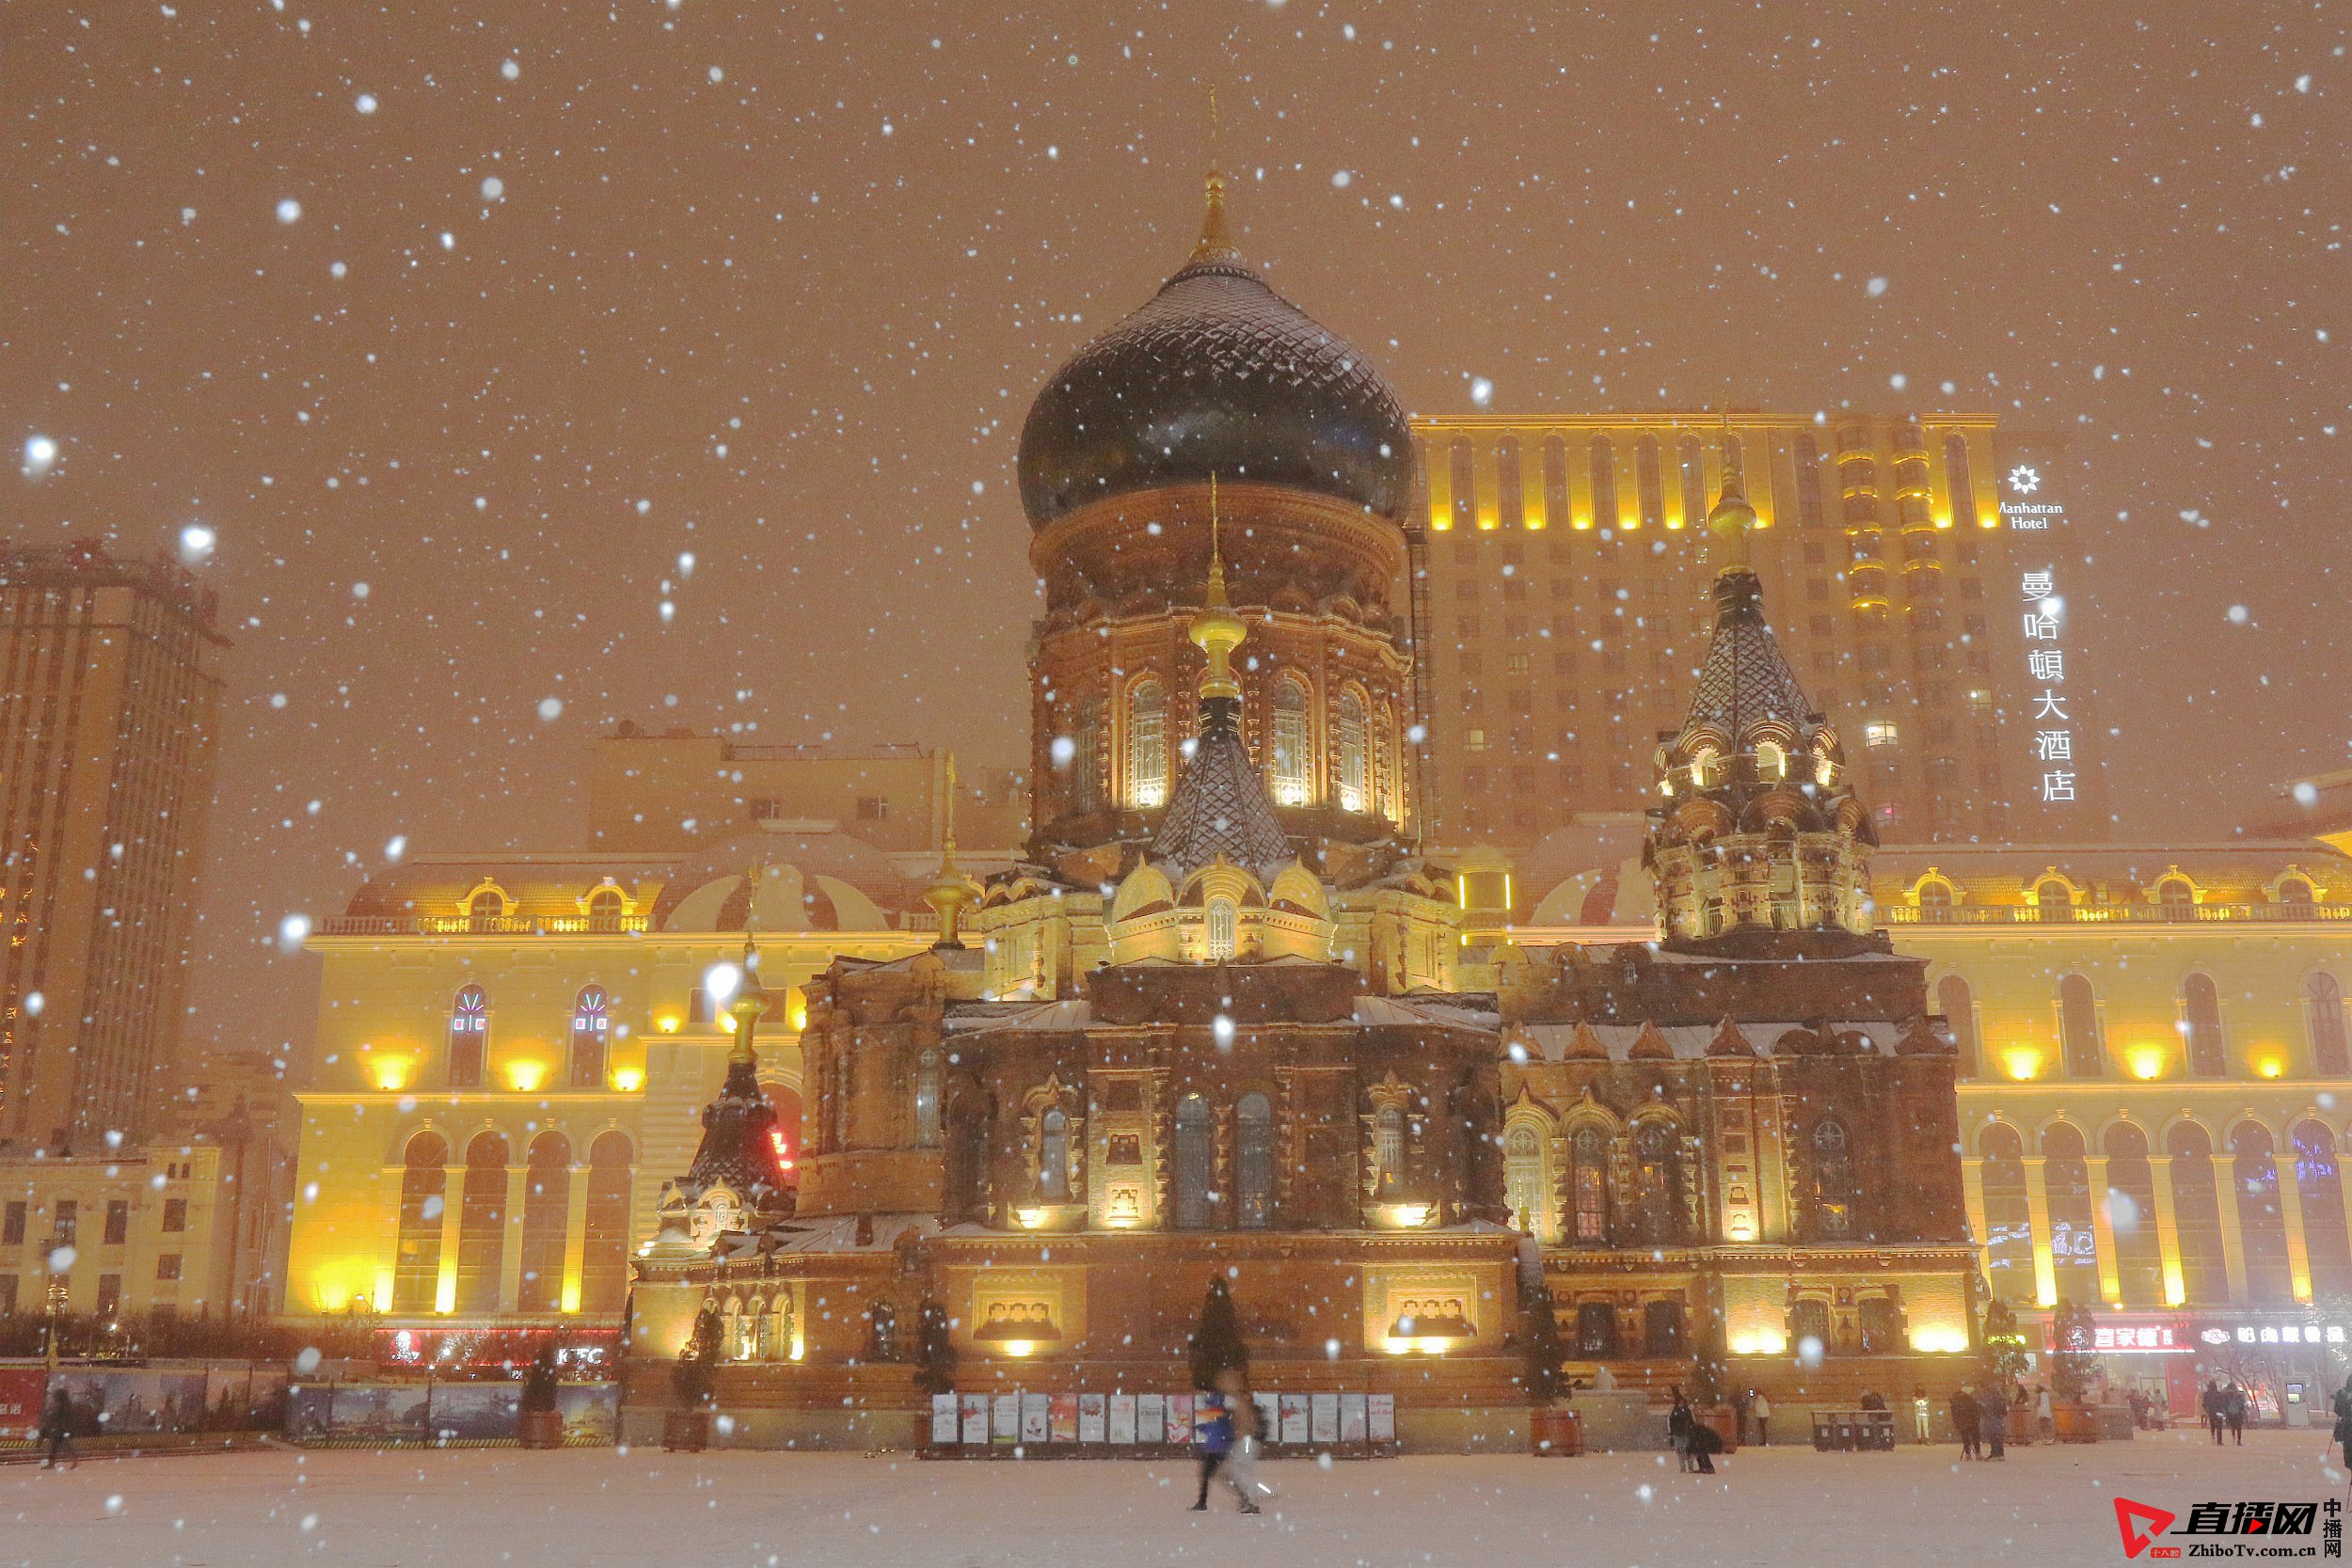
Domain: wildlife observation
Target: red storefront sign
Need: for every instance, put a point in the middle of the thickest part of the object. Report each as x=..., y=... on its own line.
x=21, y=1391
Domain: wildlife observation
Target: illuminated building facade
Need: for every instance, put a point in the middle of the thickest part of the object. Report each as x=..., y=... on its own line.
x=109, y=698
x=1224, y=1023
x=1565, y=608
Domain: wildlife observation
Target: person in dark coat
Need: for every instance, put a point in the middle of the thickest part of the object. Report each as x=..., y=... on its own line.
x=2343, y=1406
x=2234, y=1408
x=2211, y=1402
x=1964, y=1412
x=56, y=1430
x=1678, y=1424
x=1993, y=1423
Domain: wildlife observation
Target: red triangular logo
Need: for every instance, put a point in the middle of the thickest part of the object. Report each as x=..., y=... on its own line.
x=2141, y=1525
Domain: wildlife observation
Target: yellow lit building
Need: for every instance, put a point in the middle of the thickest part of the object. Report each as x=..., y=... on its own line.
x=145, y=1234
x=512, y=1052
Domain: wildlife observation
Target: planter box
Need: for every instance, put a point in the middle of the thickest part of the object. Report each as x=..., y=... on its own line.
x=540, y=1428
x=685, y=1431
x=1555, y=1432
x=2075, y=1423
x=2020, y=1428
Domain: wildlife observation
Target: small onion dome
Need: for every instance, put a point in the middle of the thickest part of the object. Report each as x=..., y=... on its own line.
x=1215, y=375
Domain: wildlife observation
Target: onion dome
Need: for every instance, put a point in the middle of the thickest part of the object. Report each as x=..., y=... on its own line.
x=1216, y=375
x=785, y=876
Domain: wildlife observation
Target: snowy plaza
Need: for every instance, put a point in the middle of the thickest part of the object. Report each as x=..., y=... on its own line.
x=586, y=1509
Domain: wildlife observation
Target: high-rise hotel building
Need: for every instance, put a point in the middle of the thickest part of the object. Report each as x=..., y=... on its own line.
x=1909, y=563
x=109, y=698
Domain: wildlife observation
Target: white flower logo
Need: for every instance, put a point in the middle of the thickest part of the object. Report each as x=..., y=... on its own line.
x=2025, y=480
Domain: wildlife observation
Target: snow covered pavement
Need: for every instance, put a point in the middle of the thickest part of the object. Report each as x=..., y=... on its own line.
x=587, y=1509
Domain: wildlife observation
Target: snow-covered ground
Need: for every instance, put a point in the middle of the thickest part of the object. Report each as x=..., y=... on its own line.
x=590, y=1509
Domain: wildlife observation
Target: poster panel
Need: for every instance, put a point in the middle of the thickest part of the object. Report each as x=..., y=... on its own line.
x=1380, y=1418
x=1324, y=1410
x=1269, y=1416
x=1004, y=1421
x=1062, y=1419
x=591, y=1411
x=1151, y=1417
x=975, y=1417
x=1180, y=1418
x=1092, y=1423
x=23, y=1389
x=1352, y=1417
x=469, y=1411
x=1123, y=1418
x=944, y=1426
x=1293, y=1418
x=1036, y=1416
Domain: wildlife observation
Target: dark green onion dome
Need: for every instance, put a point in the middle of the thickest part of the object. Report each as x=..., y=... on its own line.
x=1218, y=374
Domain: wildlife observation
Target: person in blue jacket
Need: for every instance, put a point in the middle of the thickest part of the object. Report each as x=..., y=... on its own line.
x=1212, y=1439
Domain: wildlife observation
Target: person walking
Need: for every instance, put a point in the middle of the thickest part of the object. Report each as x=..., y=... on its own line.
x=1213, y=1440
x=1993, y=1423
x=56, y=1430
x=2234, y=1408
x=1679, y=1424
x=2343, y=1405
x=1965, y=1422
x=1740, y=1402
x=1241, y=1465
x=2044, y=1421
x=1763, y=1410
x=1922, y=1413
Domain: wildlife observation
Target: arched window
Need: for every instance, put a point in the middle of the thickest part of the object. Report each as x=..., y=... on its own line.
x=967, y=1160
x=1086, y=756
x=2053, y=899
x=424, y=1189
x=1808, y=1319
x=2261, y=1224
x=1834, y=1186
x=485, y=909
x=481, y=1225
x=2176, y=897
x=469, y=1037
x=2323, y=1008
x=926, y=1099
x=1588, y=1186
x=1293, y=782
x=2078, y=1028
x=1648, y=483
x=1253, y=1161
x=1355, y=755
x=2319, y=1185
x=1961, y=482
x=1462, y=469
x=1053, y=1156
x=1595, y=1330
x=1195, y=1164
x=1147, y=745
x=592, y=1030
x=1391, y=766
x=1555, y=482
x=607, y=909
x=1880, y=1320
x=1809, y=513
x=2295, y=894
x=1935, y=896
x=1523, y=1184
x=1694, y=464
x=604, y=1252
x=2197, y=1216
x=1510, y=500
x=547, y=1222
x=2201, y=1021
x=1657, y=1185
x=1957, y=1005
x=2130, y=1201
x=1604, y=460
x=2008, y=1220
x=1224, y=930
x=2074, y=1247
x=1387, y=1150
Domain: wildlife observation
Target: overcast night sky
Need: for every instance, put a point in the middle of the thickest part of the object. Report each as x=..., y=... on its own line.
x=460, y=324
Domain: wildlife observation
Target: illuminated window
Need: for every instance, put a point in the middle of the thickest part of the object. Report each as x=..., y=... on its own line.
x=2176, y=896
x=1355, y=755
x=2078, y=1028
x=592, y=1028
x=469, y=1037
x=1808, y=1319
x=2201, y=1021
x=1086, y=764
x=1147, y=745
x=1253, y=1161
x=605, y=910
x=1772, y=763
x=2261, y=1222
x=2053, y=899
x=1462, y=468
x=485, y=909
x=2074, y=1249
x=547, y=1218
x=1648, y=484
x=1555, y=482
x=603, y=1253
x=1523, y=1183
x=481, y=1225
x=1588, y=1186
x=1657, y=1212
x=1881, y=731
x=2322, y=1004
x=1604, y=461
x=1223, y=931
x=1387, y=1150
x=1053, y=1156
x=1833, y=1178
x=2007, y=1215
x=2319, y=1183
x=1293, y=775
x=1510, y=501
x=1194, y=1168
x=2296, y=893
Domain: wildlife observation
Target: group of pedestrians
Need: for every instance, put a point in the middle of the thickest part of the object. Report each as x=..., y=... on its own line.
x=1981, y=1420
x=2224, y=1407
x=1226, y=1440
x=1695, y=1443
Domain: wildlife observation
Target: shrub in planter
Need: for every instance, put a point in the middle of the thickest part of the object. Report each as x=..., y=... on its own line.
x=537, y=1423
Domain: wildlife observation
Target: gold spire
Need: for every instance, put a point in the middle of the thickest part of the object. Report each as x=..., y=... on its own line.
x=1733, y=516
x=950, y=890
x=1217, y=241
x=1217, y=630
x=749, y=1004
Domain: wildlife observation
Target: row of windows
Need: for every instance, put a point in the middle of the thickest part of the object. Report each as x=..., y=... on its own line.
x=607, y=909
x=1586, y=1207
x=1366, y=748
x=2082, y=1044
x=469, y=1037
x=1858, y=476
x=59, y=1289
x=2131, y=1203
x=2055, y=899
x=482, y=1224
x=65, y=1222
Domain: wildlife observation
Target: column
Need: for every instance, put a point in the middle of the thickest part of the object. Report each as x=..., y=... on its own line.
x=2344, y=1176
x=2038, y=1212
x=452, y=1208
x=1972, y=1193
x=575, y=1238
x=2167, y=1230
x=2103, y=1232
x=2291, y=1211
x=511, y=1254
x=2233, y=1241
